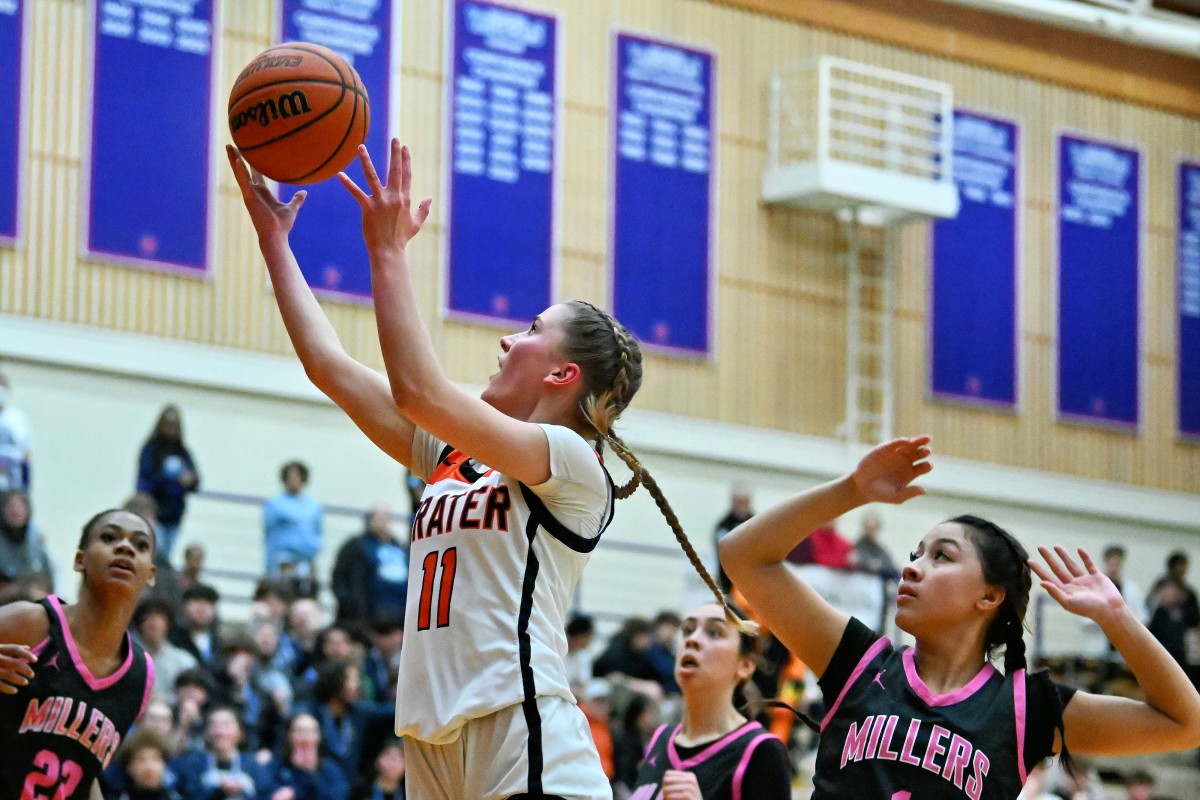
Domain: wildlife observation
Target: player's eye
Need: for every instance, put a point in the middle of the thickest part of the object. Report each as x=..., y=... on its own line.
x=914, y=555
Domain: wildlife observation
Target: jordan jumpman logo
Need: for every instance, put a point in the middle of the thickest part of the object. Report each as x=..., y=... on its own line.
x=879, y=679
x=53, y=662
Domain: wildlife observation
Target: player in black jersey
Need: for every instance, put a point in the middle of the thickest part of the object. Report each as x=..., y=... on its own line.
x=937, y=720
x=72, y=680
x=715, y=753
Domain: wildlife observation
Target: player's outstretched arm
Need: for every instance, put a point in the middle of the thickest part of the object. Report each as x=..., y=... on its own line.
x=753, y=553
x=22, y=625
x=420, y=388
x=1169, y=719
x=358, y=390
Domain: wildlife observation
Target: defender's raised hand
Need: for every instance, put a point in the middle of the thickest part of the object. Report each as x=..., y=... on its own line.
x=270, y=217
x=886, y=473
x=1082, y=590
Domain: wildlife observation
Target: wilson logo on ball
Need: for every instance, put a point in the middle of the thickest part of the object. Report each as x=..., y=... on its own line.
x=288, y=104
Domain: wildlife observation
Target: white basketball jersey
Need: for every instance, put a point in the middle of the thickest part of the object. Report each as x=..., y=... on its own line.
x=492, y=572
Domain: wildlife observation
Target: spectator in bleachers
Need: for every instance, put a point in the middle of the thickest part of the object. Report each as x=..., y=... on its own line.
x=741, y=499
x=299, y=641
x=268, y=654
x=581, y=629
x=301, y=772
x=387, y=780
x=382, y=661
x=630, y=737
x=292, y=523
x=152, y=623
x=661, y=654
x=624, y=661
x=261, y=696
x=157, y=720
x=142, y=761
x=594, y=703
x=825, y=547
x=166, y=579
x=167, y=472
x=198, y=630
x=221, y=771
x=370, y=575
x=1174, y=611
x=192, y=573
x=16, y=441
x=344, y=719
x=23, y=557
x=870, y=553
x=271, y=602
x=193, y=691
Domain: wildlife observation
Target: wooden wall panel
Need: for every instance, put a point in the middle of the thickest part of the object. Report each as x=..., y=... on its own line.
x=780, y=288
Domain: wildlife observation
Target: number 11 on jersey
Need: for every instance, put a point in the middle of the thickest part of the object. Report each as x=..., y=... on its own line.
x=445, y=588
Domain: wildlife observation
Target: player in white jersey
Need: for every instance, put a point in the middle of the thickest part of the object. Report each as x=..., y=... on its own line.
x=517, y=499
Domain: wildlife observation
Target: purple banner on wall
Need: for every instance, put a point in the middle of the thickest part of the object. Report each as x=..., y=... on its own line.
x=502, y=97
x=662, y=187
x=973, y=336
x=1188, y=255
x=11, y=76
x=1099, y=223
x=150, y=176
x=328, y=238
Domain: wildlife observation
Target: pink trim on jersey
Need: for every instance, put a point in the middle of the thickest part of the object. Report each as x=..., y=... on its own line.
x=653, y=739
x=707, y=752
x=958, y=695
x=740, y=772
x=868, y=656
x=1019, y=705
x=94, y=683
x=40, y=646
x=149, y=687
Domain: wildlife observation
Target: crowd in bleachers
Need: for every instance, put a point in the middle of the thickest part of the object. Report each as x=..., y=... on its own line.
x=297, y=701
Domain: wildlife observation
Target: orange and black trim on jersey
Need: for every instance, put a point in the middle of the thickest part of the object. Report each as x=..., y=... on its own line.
x=456, y=465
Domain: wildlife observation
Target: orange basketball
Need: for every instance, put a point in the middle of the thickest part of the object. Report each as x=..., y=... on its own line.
x=298, y=113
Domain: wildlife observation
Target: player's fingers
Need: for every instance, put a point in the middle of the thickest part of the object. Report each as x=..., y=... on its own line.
x=352, y=187
x=298, y=199
x=1088, y=564
x=1055, y=566
x=1042, y=573
x=405, y=168
x=1068, y=562
x=423, y=211
x=6, y=689
x=369, y=170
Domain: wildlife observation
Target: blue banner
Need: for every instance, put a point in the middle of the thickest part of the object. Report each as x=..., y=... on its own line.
x=1188, y=254
x=662, y=193
x=1099, y=227
x=150, y=176
x=11, y=79
x=503, y=109
x=328, y=239
x=973, y=335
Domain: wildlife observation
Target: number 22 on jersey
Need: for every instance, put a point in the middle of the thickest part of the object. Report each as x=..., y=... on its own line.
x=444, y=587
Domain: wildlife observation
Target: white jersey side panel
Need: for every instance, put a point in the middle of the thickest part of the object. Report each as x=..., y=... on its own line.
x=493, y=570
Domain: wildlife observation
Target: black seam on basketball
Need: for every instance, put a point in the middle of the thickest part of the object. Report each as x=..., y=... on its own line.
x=313, y=121
x=336, y=150
x=306, y=81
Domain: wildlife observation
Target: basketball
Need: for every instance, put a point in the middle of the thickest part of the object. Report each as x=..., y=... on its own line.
x=298, y=113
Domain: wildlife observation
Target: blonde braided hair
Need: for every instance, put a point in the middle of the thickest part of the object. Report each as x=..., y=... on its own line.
x=604, y=402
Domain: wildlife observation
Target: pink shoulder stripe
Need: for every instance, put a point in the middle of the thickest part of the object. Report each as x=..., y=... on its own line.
x=1019, y=706
x=740, y=772
x=958, y=695
x=868, y=656
x=40, y=646
x=96, y=684
x=707, y=752
x=653, y=739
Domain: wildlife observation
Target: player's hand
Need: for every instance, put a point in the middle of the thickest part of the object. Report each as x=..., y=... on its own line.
x=15, y=667
x=885, y=474
x=271, y=218
x=1082, y=590
x=389, y=219
x=680, y=785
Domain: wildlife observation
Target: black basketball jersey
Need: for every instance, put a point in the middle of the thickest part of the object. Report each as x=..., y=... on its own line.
x=720, y=767
x=58, y=733
x=886, y=735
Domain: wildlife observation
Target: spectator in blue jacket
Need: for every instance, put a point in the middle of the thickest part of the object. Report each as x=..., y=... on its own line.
x=167, y=472
x=302, y=768
x=221, y=771
x=292, y=531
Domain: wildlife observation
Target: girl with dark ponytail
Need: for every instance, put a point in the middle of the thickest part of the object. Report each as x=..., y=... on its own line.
x=938, y=719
